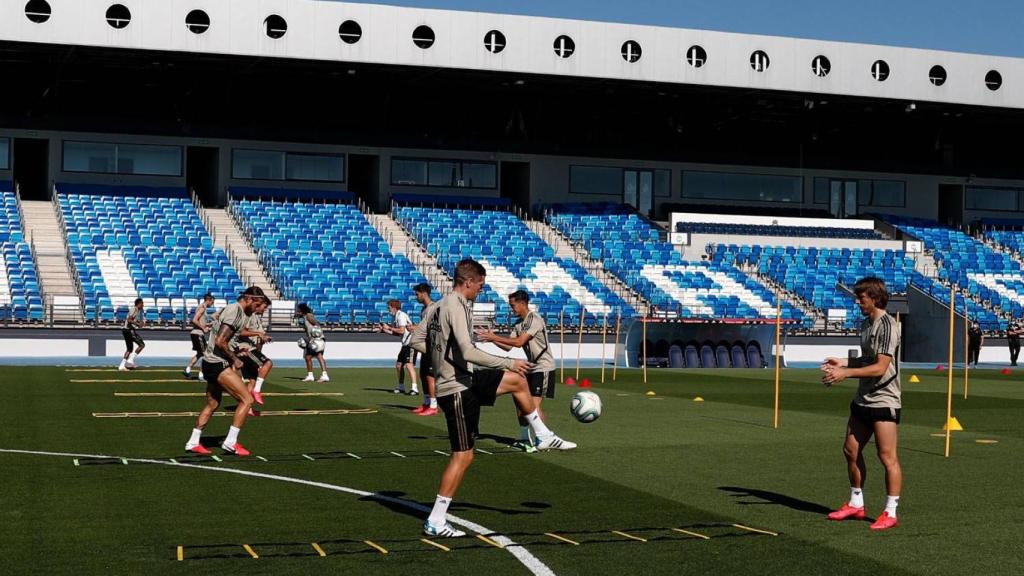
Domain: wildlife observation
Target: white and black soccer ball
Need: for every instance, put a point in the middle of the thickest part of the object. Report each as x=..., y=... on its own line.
x=317, y=345
x=302, y=343
x=586, y=406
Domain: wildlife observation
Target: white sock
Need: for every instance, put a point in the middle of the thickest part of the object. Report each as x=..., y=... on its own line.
x=433, y=402
x=194, y=439
x=232, y=438
x=188, y=369
x=259, y=384
x=121, y=365
x=856, y=497
x=132, y=357
x=891, y=503
x=524, y=433
x=437, y=514
x=201, y=377
x=309, y=374
x=539, y=428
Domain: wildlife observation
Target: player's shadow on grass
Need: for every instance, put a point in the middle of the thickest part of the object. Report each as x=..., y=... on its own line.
x=386, y=498
x=504, y=440
x=388, y=390
x=767, y=497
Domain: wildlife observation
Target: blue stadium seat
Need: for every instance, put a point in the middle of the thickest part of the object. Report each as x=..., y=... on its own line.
x=20, y=298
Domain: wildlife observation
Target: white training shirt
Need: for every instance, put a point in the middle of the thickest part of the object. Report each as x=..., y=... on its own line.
x=402, y=320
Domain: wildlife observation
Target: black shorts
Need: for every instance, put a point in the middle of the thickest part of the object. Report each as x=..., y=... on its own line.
x=252, y=361
x=131, y=337
x=198, y=345
x=462, y=409
x=211, y=371
x=869, y=416
x=426, y=369
x=542, y=384
x=404, y=355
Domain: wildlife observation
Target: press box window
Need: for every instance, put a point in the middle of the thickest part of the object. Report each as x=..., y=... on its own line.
x=443, y=173
x=5, y=154
x=131, y=159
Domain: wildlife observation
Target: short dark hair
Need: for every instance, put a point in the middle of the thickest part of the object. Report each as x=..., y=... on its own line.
x=208, y=296
x=254, y=292
x=304, y=308
x=520, y=296
x=138, y=301
x=873, y=288
x=468, y=269
x=396, y=304
x=422, y=287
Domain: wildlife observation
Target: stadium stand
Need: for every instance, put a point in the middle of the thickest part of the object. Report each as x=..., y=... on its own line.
x=632, y=248
x=993, y=279
x=765, y=230
x=515, y=258
x=20, y=298
x=329, y=256
x=129, y=242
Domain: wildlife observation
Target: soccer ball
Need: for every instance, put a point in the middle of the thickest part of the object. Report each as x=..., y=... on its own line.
x=302, y=343
x=586, y=406
x=316, y=345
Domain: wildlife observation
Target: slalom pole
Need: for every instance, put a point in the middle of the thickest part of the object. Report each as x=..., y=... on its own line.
x=967, y=349
x=949, y=369
x=644, y=362
x=561, y=347
x=604, y=340
x=778, y=356
x=615, y=354
x=579, y=345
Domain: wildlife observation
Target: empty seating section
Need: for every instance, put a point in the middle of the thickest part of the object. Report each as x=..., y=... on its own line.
x=813, y=273
x=19, y=286
x=515, y=258
x=632, y=249
x=128, y=246
x=768, y=230
x=329, y=256
x=988, y=319
x=993, y=277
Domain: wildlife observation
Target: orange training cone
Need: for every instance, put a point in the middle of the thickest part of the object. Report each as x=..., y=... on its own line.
x=585, y=383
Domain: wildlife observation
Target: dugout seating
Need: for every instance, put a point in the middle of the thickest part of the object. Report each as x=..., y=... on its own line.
x=515, y=258
x=632, y=248
x=20, y=298
x=330, y=257
x=813, y=274
x=129, y=242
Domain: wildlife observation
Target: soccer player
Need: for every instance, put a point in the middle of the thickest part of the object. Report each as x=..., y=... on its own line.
x=975, y=340
x=530, y=334
x=402, y=326
x=200, y=328
x=315, y=343
x=255, y=366
x=136, y=319
x=462, y=390
x=875, y=410
x=429, y=406
x=221, y=366
x=1013, y=332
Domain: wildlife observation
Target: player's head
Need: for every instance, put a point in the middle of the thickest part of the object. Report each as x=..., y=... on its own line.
x=470, y=276
x=520, y=303
x=394, y=305
x=252, y=297
x=422, y=291
x=208, y=299
x=302, y=309
x=262, y=306
x=138, y=303
x=871, y=294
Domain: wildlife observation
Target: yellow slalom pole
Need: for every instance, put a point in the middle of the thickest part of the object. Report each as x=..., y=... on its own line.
x=967, y=349
x=615, y=354
x=604, y=340
x=778, y=355
x=579, y=346
x=561, y=348
x=949, y=369
x=644, y=344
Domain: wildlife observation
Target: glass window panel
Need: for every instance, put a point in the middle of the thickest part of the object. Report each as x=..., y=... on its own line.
x=257, y=165
x=321, y=168
x=1001, y=199
x=821, y=187
x=646, y=189
x=149, y=160
x=864, y=192
x=629, y=191
x=747, y=187
x=595, y=180
x=663, y=183
x=409, y=172
x=443, y=174
x=89, y=157
x=850, y=204
x=479, y=175
x=888, y=193
x=5, y=154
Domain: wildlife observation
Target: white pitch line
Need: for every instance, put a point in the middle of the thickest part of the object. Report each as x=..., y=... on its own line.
x=442, y=453
x=399, y=455
x=308, y=457
x=353, y=455
x=524, y=556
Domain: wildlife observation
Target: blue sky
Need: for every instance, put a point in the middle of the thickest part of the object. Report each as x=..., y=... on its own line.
x=977, y=26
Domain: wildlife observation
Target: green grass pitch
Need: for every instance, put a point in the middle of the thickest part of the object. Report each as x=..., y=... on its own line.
x=657, y=486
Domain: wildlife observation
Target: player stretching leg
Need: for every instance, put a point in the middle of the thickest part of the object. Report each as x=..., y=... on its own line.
x=875, y=409
x=255, y=366
x=220, y=365
x=530, y=334
x=429, y=406
x=461, y=390
x=136, y=319
x=200, y=328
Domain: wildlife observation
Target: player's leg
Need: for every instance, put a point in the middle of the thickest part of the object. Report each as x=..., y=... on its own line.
x=308, y=357
x=514, y=384
x=128, y=343
x=232, y=383
x=213, y=399
x=323, y=367
x=411, y=369
x=462, y=417
x=858, y=433
x=265, y=366
x=140, y=344
x=535, y=382
x=197, y=347
x=886, y=435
